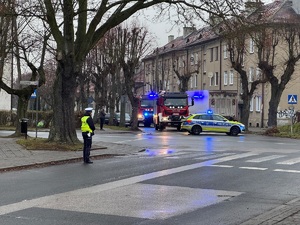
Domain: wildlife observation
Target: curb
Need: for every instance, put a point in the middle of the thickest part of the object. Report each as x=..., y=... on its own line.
x=283, y=213
x=56, y=162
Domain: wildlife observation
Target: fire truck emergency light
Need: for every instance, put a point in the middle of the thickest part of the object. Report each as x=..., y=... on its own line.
x=199, y=95
x=152, y=95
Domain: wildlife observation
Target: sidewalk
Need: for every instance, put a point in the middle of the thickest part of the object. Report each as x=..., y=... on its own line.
x=14, y=157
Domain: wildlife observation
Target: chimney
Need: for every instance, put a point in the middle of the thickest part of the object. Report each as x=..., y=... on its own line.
x=188, y=30
x=252, y=5
x=170, y=38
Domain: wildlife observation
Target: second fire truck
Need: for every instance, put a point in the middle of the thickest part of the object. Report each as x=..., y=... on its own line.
x=145, y=113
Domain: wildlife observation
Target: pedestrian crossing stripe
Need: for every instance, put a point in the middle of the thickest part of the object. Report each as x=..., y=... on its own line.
x=292, y=99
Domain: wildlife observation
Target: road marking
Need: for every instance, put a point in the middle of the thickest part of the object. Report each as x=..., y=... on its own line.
x=287, y=171
x=290, y=162
x=39, y=202
x=222, y=166
x=252, y=168
x=206, y=157
x=263, y=159
x=238, y=156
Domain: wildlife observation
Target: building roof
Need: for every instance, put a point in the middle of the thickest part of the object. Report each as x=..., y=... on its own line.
x=277, y=11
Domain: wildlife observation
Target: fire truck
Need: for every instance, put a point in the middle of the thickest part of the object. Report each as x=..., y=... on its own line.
x=145, y=110
x=170, y=108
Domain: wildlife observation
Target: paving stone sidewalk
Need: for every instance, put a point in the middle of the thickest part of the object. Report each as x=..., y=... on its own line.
x=13, y=155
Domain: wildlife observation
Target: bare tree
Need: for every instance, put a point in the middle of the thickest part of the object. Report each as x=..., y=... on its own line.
x=76, y=27
x=184, y=75
x=135, y=43
x=236, y=45
x=278, y=63
x=269, y=35
x=21, y=46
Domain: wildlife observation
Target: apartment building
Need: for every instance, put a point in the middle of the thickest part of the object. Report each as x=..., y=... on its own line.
x=203, y=57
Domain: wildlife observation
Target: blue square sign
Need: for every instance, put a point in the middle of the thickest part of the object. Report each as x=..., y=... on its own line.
x=292, y=99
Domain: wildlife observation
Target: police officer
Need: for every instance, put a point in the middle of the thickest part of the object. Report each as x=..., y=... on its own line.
x=87, y=129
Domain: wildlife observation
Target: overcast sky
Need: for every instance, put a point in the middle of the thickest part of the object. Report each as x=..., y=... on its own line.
x=163, y=30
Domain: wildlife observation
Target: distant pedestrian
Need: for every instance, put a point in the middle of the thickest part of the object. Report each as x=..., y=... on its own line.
x=87, y=129
x=102, y=118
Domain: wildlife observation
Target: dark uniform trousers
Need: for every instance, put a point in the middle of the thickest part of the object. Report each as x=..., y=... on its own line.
x=87, y=143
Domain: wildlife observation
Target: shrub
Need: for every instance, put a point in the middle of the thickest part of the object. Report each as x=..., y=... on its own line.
x=272, y=131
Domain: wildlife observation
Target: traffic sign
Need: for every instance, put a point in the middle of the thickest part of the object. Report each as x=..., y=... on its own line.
x=33, y=95
x=29, y=82
x=292, y=99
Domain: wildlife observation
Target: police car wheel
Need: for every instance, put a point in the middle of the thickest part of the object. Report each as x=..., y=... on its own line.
x=234, y=131
x=196, y=130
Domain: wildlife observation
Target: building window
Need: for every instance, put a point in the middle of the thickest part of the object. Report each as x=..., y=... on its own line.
x=216, y=78
x=251, y=46
x=204, y=66
x=195, y=80
x=212, y=54
x=251, y=74
x=191, y=82
x=243, y=59
x=258, y=103
x=217, y=54
x=225, y=51
x=196, y=58
x=251, y=105
x=212, y=81
x=231, y=77
x=225, y=78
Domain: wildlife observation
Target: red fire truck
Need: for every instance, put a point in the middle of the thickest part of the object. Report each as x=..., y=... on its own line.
x=170, y=108
x=145, y=113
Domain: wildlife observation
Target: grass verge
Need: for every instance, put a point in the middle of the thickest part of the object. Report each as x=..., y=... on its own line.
x=44, y=144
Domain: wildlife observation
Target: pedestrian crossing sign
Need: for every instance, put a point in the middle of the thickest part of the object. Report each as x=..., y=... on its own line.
x=33, y=95
x=292, y=99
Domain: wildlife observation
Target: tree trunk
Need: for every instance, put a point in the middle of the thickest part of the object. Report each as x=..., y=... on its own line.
x=63, y=129
x=246, y=112
x=135, y=104
x=21, y=112
x=273, y=105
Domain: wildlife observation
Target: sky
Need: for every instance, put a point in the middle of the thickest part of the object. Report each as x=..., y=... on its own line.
x=161, y=30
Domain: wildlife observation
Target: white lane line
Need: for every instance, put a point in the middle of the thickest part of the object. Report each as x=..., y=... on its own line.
x=267, y=158
x=238, y=156
x=287, y=171
x=25, y=204
x=290, y=162
x=252, y=168
x=222, y=166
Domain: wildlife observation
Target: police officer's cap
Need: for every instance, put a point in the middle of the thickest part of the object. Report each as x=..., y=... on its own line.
x=88, y=109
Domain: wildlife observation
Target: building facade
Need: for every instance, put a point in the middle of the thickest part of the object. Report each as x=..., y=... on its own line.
x=202, y=55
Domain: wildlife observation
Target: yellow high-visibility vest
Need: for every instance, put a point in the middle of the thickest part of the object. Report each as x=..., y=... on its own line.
x=84, y=125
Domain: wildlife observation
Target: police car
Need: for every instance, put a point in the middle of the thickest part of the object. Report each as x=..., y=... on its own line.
x=210, y=122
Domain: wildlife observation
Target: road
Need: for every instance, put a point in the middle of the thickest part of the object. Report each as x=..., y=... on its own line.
x=179, y=179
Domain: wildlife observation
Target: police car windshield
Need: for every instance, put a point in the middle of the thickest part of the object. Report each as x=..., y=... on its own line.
x=175, y=102
x=147, y=103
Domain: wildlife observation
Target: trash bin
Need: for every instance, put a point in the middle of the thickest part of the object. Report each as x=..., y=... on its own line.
x=24, y=122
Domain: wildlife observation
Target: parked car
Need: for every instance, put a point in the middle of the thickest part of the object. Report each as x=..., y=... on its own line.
x=116, y=119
